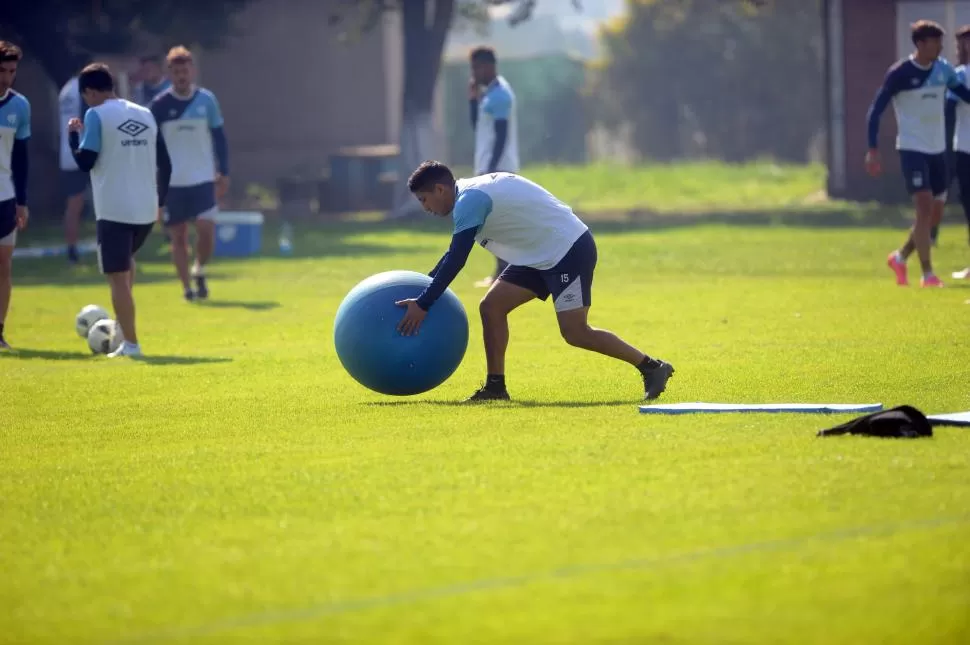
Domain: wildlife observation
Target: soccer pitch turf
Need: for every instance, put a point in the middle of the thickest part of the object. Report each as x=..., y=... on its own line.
x=239, y=487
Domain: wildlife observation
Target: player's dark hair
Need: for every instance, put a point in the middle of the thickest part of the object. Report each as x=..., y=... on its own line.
x=482, y=55
x=963, y=32
x=9, y=53
x=924, y=30
x=428, y=175
x=97, y=77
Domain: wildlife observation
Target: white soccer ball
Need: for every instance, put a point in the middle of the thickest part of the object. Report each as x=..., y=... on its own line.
x=87, y=317
x=105, y=336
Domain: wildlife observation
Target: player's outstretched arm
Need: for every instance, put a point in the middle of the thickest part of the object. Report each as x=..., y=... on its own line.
x=449, y=267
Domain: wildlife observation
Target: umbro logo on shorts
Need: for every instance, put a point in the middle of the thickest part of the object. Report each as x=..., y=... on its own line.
x=132, y=128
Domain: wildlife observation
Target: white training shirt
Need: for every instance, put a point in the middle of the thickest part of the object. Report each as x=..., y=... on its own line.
x=14, y=125
x=187, y=124
x=961, y=134
x=498, y=102
x=520, y=221
x=123, y=179
x=71, y=106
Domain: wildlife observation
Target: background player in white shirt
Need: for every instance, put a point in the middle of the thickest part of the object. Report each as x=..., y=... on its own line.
x=125, y=154
x=550, y=252
x=73, y=182
x=917, y=87
x=958, y=118
x=492, y=108
x=14, y=135
x=191, y=122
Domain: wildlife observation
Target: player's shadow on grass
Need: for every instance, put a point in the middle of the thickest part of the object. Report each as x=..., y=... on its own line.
x=508, y=405
x=45, y=354
x=181, y=360
x=239, y=304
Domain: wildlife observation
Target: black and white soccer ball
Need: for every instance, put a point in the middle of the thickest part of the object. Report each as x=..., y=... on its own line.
x=105, y=336
x=86, y=318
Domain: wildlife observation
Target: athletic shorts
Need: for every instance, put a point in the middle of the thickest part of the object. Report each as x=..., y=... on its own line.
x=117, y=244
x=570, y=282
x=74, y=182
x=8, y=222
x=188, y=203
x=924, y=172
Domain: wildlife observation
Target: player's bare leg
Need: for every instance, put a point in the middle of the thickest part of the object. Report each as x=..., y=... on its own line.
x=928, y=210
x=575, y=330
x=180, y=256
x=124, y=307
x=205, y=242
x=6, y=287
x=72, y=224
x=502, y=298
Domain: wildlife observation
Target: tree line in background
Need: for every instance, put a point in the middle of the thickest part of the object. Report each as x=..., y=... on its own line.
x=727, y=79
x=723, y=80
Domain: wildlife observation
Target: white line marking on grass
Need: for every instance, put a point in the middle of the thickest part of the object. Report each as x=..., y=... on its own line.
x=315, y=612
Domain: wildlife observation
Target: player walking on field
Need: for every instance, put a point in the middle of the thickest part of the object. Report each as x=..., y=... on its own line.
x=917, y=87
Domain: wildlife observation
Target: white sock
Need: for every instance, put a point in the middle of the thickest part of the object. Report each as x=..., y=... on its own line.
x=900, y=258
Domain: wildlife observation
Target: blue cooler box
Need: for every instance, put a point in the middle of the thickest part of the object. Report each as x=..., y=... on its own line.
x=238, y=234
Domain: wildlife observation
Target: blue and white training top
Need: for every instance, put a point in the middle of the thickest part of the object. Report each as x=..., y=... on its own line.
x=918, y=95
x=518, y=220
x=14, y=126
x=192, y=129
x=497, y=103
x=124, y=178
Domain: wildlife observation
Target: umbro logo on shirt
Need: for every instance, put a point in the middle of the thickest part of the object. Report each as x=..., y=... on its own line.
x=132, y=128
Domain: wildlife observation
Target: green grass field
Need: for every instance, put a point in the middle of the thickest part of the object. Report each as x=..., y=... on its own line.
x=238, y=487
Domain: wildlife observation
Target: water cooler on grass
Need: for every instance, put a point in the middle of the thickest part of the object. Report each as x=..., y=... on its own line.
x=238, y=233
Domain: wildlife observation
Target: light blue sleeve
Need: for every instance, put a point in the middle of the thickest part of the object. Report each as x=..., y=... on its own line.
x=213, y=111
x=951, y=75
x=92, y=132
x=471, y=210
x=498, y=103
x=23, y=127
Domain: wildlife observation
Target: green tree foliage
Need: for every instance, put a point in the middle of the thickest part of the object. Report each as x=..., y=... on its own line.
x=731, y=80
x=64, y=34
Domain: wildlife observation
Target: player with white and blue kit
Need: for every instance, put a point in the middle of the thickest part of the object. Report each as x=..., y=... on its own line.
x=492, y=108
x=917, y=87
x=192, y=124
x=14, y=135
x=550, y=252
x=125, y=154
x=958, y=118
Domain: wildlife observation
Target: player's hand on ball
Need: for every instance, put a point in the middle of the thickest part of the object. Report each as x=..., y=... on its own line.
x=413, y=318
x=75, y=125
x=873, y=163
x=22, y=216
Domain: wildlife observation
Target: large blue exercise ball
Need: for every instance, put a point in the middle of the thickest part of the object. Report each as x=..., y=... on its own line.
x=375, y=353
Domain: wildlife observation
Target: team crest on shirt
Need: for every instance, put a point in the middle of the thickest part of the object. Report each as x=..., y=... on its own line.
x=12, y=119
x=200, y=109
x=172, y=112
x=915, y=82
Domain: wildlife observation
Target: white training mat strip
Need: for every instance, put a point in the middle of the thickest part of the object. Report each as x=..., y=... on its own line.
x=952, y=419
x=811, y=408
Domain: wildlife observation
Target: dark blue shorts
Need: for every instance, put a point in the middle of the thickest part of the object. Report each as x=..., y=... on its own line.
x=117, y=244
x=186, y=203
x=74, y=182
x=570, y=282
x=8, y=219
x=924, y=172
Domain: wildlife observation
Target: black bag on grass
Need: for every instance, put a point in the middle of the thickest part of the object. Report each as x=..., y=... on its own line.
x=903, y=422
